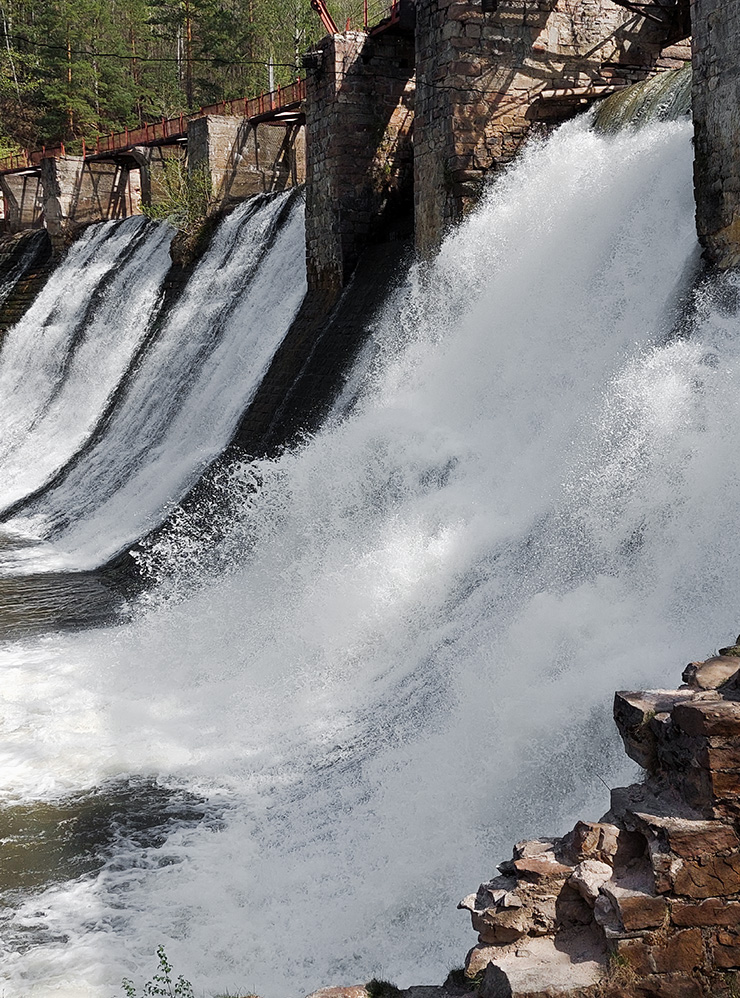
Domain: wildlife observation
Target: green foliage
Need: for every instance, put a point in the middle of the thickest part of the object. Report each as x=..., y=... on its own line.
x=183, y=198
x=161, y=983
x=458, y=980
x=76, y=69
x=382, y=989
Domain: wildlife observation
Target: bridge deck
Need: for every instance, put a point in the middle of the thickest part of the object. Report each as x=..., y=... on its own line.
x=283, y=106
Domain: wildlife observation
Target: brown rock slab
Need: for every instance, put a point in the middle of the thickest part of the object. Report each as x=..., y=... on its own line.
x=635, y=954
x=719, y=754
x=541, y=867
x=682, y=952
x=693, y=839
x=637, y=910
x=716, y=876
x=712, y=911
x=719, y=718
x=712, y=674
x=726, y=950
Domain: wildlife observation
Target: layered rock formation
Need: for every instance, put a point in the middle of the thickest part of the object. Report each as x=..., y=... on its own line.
x=645, y=901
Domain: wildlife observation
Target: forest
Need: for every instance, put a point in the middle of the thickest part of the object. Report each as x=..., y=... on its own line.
x=75, y=69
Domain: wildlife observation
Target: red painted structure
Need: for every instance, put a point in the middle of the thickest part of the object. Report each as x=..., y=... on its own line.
x=378, y=13
x=273, y=106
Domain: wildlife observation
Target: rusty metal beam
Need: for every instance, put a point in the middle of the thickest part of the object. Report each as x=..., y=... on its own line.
x=326, y=19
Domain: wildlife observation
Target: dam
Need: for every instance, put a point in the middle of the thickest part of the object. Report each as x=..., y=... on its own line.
x=322, y=552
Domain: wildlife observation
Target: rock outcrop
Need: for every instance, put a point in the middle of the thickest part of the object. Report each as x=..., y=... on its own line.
x=645, y=901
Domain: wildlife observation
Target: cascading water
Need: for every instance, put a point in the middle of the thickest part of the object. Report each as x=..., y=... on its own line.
x=25, y=252
x=65, y=359
x=663, y=97
x=176, y=402
x=400, y=654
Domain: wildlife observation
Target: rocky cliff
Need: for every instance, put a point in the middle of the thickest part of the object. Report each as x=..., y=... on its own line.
x=646, y=901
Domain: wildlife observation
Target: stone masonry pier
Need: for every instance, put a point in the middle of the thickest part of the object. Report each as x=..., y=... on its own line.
x=359, y=150
x=716, y=98
x=421, y=114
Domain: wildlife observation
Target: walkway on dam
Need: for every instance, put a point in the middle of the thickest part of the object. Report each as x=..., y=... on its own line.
x=283, y=106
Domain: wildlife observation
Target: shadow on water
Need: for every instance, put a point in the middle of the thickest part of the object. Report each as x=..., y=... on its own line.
x=36, y=604
x=45, y=843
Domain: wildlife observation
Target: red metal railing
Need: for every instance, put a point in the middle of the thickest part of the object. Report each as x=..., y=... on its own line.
x=379, y=13
x=376, y=14
x=326, y=19
x=168, y=129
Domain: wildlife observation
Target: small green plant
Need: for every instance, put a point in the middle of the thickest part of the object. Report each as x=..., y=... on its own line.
x=183, y=197
x=620, y=970
x=458, y=980
x=382, y=989
x=161, y=983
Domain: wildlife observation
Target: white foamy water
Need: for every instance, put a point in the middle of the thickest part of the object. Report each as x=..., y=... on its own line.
x=181, y=400
x=400, y=655
x=61, y=364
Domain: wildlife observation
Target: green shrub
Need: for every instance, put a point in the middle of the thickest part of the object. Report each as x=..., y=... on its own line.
x=184, y=197
x=161, y=983
x=382, y=989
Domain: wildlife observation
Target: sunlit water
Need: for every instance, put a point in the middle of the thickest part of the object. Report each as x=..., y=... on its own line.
x=395, y=652
x=130, y=431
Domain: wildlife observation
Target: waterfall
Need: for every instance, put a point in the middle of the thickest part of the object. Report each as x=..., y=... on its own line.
x=663, y=97
x=394, y=654
x=65, y=359
x=19, y=255
x=128, y=431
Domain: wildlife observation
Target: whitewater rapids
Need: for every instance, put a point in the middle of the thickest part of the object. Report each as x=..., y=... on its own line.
x=397, y=653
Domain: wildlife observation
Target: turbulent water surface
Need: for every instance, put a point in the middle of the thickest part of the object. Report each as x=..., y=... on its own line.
x=394, y=651
x=103, y=436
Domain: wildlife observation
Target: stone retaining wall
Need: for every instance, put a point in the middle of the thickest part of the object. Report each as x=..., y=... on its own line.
x=359, y=154
x=646, y=901
x=716, y=93
x=481, y=77
x=243, y=159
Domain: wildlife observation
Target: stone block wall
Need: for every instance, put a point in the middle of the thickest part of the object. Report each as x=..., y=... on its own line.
x=78, y=192
x=23, y=201
x=716, y=97
x=151, y=161
x=359, y=152
x=484, y=78
x=244, y=159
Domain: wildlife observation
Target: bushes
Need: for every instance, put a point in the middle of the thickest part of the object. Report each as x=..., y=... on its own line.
x=184, y=197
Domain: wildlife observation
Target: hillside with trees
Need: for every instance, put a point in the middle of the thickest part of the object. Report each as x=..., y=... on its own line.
x=74, y=69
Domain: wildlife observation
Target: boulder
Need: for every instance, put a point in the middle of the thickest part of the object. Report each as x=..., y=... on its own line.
x=712, y=673
x=547, y=966
x=589, y=877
